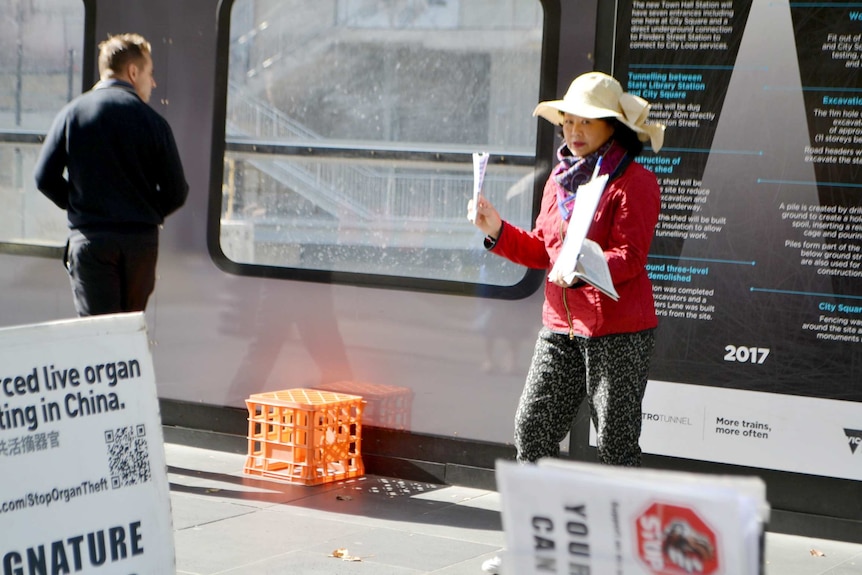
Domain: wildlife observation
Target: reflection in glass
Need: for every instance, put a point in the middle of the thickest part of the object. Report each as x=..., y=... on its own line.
x=41, y=51
x=27, y=216
x=424, y=79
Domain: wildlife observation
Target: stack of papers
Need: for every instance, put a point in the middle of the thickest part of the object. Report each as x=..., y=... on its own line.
x=572, y=517
x=581, y=258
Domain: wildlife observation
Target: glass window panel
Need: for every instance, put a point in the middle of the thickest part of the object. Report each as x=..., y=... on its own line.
x=41, y=52
x=27, y=216
x=318, y=90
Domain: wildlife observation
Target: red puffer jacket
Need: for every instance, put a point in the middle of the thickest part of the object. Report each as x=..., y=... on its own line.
x=623, y=226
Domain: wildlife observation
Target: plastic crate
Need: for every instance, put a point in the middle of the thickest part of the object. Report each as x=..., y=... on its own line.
x=306, y=436
x=387, y=406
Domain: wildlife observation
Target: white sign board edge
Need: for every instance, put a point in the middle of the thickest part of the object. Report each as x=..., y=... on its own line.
x=85, y=486
x=559, y=517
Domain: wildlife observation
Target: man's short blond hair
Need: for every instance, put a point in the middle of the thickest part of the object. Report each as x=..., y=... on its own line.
x=118, y=51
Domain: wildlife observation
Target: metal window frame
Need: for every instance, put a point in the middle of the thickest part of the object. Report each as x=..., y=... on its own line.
x=531, y=280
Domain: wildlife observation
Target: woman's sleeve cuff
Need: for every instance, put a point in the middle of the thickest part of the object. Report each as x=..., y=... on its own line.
x=490, y=242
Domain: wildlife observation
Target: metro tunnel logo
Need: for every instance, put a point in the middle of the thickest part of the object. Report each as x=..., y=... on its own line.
x=854, y=438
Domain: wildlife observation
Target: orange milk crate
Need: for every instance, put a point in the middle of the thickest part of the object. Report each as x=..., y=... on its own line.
x=306, y=436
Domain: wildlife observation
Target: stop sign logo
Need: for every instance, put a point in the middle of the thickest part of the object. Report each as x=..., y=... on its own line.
x=673, y=540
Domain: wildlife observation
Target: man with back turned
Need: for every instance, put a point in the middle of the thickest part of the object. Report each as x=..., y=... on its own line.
x=123, y=176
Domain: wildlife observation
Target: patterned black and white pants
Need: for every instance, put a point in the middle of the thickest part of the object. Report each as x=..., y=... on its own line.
x=611, y=371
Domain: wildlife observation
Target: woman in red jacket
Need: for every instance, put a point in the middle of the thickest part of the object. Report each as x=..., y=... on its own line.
x=589, y=345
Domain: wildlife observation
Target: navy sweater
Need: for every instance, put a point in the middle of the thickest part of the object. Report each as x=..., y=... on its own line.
x=122, y=161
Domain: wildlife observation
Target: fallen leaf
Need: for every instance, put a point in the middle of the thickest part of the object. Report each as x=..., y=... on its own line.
x=342, y=554
x=817, y=553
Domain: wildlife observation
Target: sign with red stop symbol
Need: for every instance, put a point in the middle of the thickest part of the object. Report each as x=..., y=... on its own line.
x=674, y=540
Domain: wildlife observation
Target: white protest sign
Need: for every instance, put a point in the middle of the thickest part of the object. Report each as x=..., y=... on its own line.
x=580, y=518
x=84, y=487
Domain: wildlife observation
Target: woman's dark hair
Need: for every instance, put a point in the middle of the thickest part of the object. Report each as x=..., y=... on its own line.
x=626, y=137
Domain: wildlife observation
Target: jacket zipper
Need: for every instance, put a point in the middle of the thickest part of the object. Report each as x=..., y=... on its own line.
x=565, y=296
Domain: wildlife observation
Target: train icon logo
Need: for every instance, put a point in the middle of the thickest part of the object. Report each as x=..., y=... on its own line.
x=674, y=540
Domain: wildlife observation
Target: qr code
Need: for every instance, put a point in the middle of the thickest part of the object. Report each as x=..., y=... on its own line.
x=128, y=457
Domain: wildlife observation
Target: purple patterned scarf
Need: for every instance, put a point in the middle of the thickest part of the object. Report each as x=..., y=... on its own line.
x=573, y=171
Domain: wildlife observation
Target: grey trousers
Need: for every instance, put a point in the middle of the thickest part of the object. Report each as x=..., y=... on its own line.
x=610, y=371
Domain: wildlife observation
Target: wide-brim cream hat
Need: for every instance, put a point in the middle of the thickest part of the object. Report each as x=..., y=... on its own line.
x=597, y=95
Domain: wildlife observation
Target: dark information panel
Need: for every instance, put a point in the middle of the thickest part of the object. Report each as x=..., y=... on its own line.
x=757, y=259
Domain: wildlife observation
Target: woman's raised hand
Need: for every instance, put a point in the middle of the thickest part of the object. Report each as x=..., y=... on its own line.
x=484, y=216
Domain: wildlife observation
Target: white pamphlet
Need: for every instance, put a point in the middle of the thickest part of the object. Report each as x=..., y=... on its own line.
x=592, y=268
x=480, y=164
x=582, y=258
